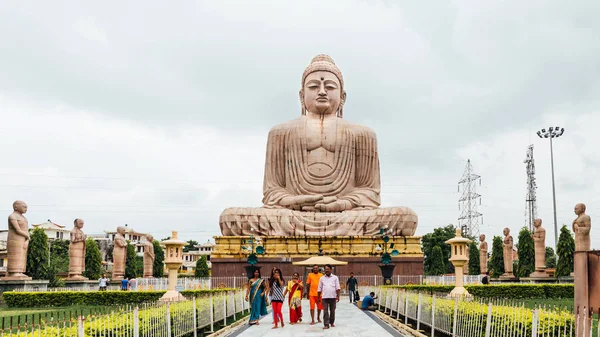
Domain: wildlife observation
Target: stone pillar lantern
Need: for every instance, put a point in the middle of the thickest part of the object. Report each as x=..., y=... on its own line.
x=458, y=257
x=173, y=260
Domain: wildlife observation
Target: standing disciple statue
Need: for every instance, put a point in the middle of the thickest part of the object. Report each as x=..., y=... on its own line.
x=539, y=239
x=581, y=228
x=321, y=171
x=483, y=254
x=149, y=256
x=17, y=242
x=508, y=254
x=119, y=254
x=77, y=252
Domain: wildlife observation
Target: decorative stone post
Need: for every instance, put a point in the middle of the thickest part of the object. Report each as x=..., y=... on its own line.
x=173, y=260
x=458, y=257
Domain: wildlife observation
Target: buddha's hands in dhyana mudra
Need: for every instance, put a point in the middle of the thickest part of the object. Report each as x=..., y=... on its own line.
x=315, y=203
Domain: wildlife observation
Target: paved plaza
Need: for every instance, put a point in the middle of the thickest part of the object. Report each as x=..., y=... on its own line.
x=349, y=321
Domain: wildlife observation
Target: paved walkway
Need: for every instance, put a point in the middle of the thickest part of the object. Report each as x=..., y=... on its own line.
x=349, y=321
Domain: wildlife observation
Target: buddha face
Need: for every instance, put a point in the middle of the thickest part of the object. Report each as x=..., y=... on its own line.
x=506, y=231
x=20, y=206
x=482, y=237
x=79, y=223
x=537, y=223
x=579, y=208
x=322, y=93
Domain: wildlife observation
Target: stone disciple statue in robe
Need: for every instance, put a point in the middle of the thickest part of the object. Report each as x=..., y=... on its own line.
x=17, y=243
x=483, y=254
x=77, y=252
x=581, y=227
x=119, y=254
x=149, y=256
x=321, y=171
x=539, y=240
x=508, y=254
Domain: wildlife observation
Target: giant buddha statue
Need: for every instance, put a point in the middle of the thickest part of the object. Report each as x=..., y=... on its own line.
x=321, y=172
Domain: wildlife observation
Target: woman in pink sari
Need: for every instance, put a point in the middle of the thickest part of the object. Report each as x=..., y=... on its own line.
x=294, y=288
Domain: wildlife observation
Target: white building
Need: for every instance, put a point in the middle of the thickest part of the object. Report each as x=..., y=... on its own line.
x=54, y=231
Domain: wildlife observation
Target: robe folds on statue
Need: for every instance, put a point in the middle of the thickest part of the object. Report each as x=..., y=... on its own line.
x=354, y=177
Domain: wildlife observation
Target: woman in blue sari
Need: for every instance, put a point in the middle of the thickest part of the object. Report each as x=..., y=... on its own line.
x=256, y=295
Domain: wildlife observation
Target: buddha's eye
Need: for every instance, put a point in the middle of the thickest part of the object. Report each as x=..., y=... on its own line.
x=331, y=87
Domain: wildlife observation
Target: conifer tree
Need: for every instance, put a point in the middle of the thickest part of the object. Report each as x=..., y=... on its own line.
x=496, y=263
x=526, y=253
x=202, y=267
x=38, y=255
x=474, y=268
x=565, y=250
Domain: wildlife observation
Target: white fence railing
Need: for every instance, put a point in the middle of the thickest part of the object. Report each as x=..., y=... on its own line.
x=466, y=317
x=188, y=283
x=209, y=312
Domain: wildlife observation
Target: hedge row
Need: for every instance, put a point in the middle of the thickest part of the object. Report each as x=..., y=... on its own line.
x=519, y=291
x=99, y=298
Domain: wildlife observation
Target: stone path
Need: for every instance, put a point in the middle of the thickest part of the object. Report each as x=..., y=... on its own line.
x=349, y=321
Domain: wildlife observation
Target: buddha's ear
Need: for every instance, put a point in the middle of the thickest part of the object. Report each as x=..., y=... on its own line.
x=302, y=107
x=340, y=113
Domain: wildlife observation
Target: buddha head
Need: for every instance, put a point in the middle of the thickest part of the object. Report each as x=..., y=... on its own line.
x=20, y=206
x=322, y=89
x=78, y=223
x=579, y=208
x=482, y=237
x=506, y=231
x=537, y=223
x=149, y=237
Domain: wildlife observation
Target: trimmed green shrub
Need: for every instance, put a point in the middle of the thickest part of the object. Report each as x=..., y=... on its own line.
x=496, y=262
x=511, y=291
x=100, y=298
x=67, y=298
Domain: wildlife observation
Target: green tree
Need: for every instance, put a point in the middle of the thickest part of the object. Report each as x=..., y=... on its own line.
x=565, y=250
x=130, y=258
x=159, y=259
x=526, y=253
x=59, y=262
x=474, y=268
x=496, y=263
x=93, y=260
x=38, y=255
x=438, y=266
x=202, y=267
x=550, y=258
x=139, y=266
x=437, y=239
x=191, y=245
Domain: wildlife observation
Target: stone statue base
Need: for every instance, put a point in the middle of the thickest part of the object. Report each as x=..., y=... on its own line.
x=227, y=258
x=539, y=274
x=23, y=285
x=82, y=284
x=507, y=276
x=16, y=277
x=76, y=278
x=172, y=296
x=284, y=222
x=459, y=292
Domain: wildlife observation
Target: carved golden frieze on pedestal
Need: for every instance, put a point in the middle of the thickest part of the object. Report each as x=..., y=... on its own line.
x=306, y=246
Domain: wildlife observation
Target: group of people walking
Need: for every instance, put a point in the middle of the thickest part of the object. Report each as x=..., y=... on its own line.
x=322, y=291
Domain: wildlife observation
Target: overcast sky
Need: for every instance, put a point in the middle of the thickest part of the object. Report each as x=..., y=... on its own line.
x=156, y=114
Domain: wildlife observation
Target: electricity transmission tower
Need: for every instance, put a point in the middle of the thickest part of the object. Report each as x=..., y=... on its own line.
x=470, y=218
x=530, y=198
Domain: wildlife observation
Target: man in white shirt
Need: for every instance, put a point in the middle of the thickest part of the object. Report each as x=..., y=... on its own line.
x=329, y=292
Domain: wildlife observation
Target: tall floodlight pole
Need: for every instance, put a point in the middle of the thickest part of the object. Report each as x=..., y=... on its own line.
x=552, y=132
